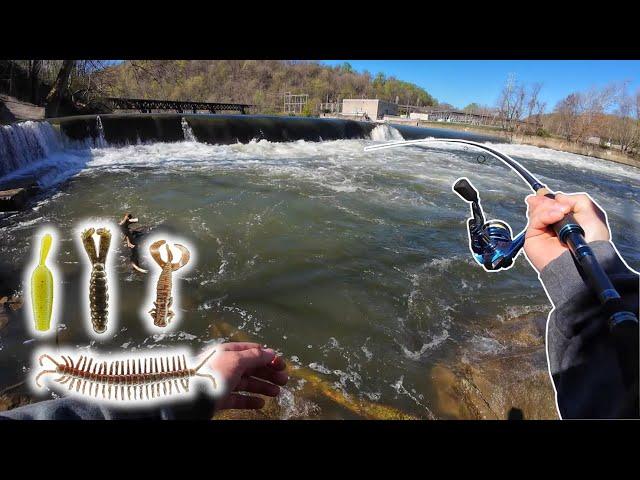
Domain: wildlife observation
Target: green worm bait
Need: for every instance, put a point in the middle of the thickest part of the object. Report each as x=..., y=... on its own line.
x=42, y=288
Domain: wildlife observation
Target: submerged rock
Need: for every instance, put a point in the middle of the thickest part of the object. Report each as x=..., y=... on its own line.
x=290, y=406
x=8, y=305
x=509, y=380
x=495, y=388
x=313, y=388
x=13, y=302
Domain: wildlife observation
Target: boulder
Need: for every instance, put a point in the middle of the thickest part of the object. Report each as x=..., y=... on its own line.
x=496, y=388
x=510, y=380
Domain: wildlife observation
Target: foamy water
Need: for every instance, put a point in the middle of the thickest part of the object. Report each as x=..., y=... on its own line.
x=353, y=263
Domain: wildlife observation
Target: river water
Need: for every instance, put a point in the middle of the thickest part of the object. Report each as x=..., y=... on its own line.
x=355, y=265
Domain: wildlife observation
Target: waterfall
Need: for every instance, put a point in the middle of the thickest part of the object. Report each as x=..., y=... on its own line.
x=100, y=142
x=186, y=130
x=384, y=132
x=24, y=143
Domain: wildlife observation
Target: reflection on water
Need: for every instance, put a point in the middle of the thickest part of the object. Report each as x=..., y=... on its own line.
x=355, y=265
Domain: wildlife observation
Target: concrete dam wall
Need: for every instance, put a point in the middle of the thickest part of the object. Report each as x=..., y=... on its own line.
x=118, y=129
x=28, y=150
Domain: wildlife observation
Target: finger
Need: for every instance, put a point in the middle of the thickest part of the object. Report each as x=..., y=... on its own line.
x=571, y=201
x=534, y=200
x=238, y=346
x=278, y=363
x=543, y=210
x=246, y=402
x=254, y=385
x=545, y=216
x=270, y=375
x=578, y=202
x=255, y=358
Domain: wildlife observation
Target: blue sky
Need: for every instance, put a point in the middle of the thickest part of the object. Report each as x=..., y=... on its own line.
x=460, y=82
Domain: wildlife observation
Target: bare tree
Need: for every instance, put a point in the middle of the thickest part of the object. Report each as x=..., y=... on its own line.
x=533, y=101
x=34, y=77
x=568, y=112
x=542, y=106
x=624, y=127
x=59, y=88
x=510, y=105
x=584, y=114
x=594, y=103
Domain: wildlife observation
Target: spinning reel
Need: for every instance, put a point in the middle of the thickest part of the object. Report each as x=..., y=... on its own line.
x=491, y=242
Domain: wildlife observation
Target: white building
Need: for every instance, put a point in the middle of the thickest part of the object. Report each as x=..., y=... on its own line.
x=366, y=108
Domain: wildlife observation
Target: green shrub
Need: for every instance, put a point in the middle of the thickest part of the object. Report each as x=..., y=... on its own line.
x=541, y=132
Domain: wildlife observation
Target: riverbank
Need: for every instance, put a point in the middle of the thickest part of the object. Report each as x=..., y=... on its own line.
x=553, y=143
x=13, y=110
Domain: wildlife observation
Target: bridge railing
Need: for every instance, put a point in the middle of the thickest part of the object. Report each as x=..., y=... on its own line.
x=145, y=105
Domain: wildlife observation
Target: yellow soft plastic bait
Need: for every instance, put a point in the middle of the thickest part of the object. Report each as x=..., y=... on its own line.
x=42, y=288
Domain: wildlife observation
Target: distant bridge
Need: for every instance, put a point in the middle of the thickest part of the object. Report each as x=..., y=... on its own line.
x=456, y=116
x=148, y=105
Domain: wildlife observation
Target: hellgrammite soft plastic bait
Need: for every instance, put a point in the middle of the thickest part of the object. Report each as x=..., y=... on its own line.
x=98, y=295
x=148, y=377
x=162, y=313
x=42, y=288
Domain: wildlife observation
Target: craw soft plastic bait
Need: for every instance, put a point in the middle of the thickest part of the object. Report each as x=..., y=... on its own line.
x=162, y=313
x=42, y=288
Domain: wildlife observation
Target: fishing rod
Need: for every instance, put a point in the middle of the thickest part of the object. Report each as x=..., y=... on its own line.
x=493, y=247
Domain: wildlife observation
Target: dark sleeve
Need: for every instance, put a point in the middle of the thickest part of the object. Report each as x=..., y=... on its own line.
x=201, y=407
x=583, y=358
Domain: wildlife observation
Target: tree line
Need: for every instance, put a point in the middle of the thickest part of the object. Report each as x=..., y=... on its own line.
x=608, y=115
x=262, y=83
x=82, y=83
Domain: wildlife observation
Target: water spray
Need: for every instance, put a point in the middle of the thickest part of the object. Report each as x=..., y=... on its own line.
x=493, y=247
